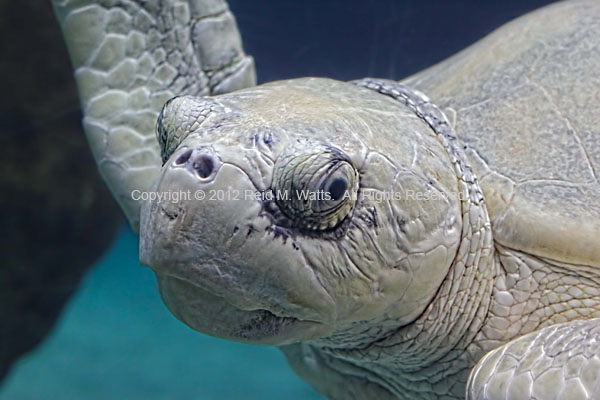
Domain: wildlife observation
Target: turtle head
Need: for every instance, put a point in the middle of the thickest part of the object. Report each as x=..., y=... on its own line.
x=306, y=209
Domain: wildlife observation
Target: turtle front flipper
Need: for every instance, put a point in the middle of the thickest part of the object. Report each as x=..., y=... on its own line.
x=560, y=361
x=129, y=58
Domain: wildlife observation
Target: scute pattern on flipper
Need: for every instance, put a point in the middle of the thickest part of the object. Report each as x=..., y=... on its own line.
x=130, y=57
x=560, y=361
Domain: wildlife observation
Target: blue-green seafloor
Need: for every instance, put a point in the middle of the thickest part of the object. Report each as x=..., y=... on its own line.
x=116, y=340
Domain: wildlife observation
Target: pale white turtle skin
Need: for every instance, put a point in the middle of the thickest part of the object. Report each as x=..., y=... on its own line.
x=129, y=57
x=406, y=307
x=525, y=100
x=560, y=361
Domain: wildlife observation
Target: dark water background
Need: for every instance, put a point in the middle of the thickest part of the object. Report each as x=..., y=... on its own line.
x=115, y=339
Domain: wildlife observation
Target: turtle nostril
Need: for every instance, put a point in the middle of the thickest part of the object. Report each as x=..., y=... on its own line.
x=184, y=157
x=204, y=165
x=199, y=160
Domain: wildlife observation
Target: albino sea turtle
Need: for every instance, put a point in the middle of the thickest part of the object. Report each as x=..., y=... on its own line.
x=393, y=246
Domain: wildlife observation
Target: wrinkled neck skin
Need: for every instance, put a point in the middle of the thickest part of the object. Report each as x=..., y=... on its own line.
x=431, y=357
x=428, y=358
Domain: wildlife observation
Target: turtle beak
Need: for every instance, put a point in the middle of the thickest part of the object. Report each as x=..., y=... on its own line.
x=217, y=241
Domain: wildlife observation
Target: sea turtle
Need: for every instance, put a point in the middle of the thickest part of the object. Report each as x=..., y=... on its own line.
x=393, y=246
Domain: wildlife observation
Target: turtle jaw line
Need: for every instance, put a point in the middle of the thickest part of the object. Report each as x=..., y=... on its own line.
x=201, y=287
x=271, y=313
x=207, y=289
x=256, y=326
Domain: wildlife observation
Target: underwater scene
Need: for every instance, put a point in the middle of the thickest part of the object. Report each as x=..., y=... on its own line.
x=91, y=311
x=150, y=355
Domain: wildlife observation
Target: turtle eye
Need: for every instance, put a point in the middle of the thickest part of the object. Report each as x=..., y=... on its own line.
x=334, y=188
x=317, y=188
x=337, y=188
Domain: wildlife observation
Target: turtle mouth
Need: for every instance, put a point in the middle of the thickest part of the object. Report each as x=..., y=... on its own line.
x=215, y=315
x=221, y=280
x=265, y=324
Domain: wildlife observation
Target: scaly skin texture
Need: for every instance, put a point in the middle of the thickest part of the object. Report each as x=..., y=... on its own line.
x=256, y=260
x=400, y=363
x=529, y=295
x=369, y=318
x=131, y=56
x=561, y=362
x=401, y=297
x=531, y=126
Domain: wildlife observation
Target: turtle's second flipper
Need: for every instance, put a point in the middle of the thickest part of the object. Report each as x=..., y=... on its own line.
x=561, y=361
x=129, y=58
